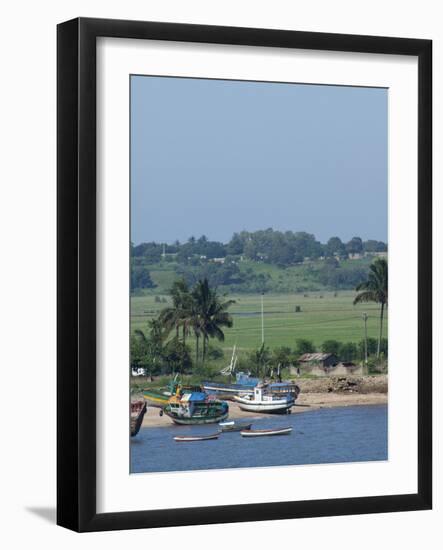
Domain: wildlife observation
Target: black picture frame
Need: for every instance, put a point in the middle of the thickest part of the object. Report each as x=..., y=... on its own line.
x=76, y=265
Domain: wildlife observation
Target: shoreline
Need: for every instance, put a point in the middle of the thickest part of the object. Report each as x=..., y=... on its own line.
x=305, y=402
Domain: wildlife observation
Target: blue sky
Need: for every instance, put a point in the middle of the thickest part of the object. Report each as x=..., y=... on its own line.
x=214, y=157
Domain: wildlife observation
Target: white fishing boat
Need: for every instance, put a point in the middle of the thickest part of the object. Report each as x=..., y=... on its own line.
x=195, y=437
x=262, y=433
x=265, y=401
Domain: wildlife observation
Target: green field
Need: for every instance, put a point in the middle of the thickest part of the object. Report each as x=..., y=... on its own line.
x=323, y=316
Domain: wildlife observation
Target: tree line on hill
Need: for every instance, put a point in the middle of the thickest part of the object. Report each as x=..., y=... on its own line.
x=201, y=258
x=270, y=246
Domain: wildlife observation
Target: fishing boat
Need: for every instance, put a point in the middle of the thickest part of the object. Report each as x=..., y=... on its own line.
x=265, y=401
x=243, y=381
x=138, y=410
x=160, y=398
x=284, y=388
x=195, y=408
x=195, y=437
x=262, y=433
x=245, y=385
x=231, y=426
x=156, y=398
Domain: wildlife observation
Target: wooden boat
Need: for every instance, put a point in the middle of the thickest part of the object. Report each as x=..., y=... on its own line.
x=247, y=387
x=195, y=408
x=265, y=401
x=156, y=398
x=160, y=398
x=187, y=404
x=261, y=433
x=243, y=382
x=138, y=410
x=232, y=426
x=195, y=437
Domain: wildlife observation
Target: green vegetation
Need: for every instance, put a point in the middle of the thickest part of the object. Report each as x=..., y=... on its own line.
x=324, y=316
x=255, y=262
x=249, y=277
x=316, y=296
x=198, y=312
x=375, y=289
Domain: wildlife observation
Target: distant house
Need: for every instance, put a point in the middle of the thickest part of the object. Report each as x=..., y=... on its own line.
x=318, y=359
x=355, y=256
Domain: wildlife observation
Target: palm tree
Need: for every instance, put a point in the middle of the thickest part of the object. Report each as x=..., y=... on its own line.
x=179, y=314
x=210, y=314
x=375, y=289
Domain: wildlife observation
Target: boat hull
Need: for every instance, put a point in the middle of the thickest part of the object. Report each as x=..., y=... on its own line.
x=191, y=421
x=274, y=407
x=138, y=410
x=219, y=388
x=265, y=433
x=155, y=399
x=195, y=437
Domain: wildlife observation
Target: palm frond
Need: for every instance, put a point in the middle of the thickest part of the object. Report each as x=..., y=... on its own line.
x=366, y=296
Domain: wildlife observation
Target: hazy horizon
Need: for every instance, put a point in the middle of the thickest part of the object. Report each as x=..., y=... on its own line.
x=214, y=157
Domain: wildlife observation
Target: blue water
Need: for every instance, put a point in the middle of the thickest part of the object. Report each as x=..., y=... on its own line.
x=344, y=434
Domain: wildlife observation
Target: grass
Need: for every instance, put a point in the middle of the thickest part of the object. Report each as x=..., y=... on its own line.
x=323, y=317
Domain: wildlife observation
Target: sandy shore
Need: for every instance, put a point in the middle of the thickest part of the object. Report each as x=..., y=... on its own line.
x=305, y=402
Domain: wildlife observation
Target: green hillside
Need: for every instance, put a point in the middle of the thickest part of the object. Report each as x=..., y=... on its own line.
x=251, y=277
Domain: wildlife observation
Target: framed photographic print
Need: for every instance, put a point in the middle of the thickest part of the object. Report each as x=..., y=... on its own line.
x=230, y=345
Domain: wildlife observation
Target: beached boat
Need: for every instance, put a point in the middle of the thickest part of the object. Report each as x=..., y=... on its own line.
x=245, y=385
x=195, y=437
x=156, y=398
x=160, y=398
x=284, y=388
x=138, y=410
x=195, y=408
x=231, y=426
x=261, y=433
x=265, y=401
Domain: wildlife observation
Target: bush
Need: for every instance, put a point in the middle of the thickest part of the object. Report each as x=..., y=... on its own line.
x=214, y=352
x=372, y=347
x=331, y=346
x=140, y=278
x=377, y=366
x=348, y=351
x=304, y=346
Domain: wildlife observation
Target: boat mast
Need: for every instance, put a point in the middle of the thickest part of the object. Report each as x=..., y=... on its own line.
x=262, y=322
x=231, y=366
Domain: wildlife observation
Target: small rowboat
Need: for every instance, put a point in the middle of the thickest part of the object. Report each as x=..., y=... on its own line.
x=195, y=437
x=234, y=426
x=259, y=433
